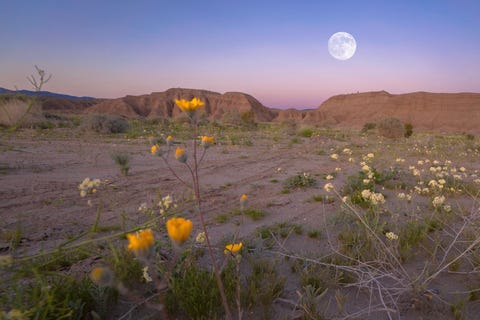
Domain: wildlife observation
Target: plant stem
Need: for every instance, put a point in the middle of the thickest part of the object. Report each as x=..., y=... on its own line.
x=228, y=314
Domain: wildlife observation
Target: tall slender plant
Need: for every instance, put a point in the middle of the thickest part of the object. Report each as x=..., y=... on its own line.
x=190, y=107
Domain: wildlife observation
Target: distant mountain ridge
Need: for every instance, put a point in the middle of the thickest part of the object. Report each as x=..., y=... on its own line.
x=446, y=112
x=440, y=112
x=45, y=94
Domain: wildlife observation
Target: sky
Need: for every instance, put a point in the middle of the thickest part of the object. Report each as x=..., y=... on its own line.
x=274, y=50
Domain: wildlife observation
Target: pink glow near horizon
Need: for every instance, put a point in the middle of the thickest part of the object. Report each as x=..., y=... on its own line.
x=280, y=57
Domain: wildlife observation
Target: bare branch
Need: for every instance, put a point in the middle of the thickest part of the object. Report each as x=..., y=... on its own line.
x=38, y=84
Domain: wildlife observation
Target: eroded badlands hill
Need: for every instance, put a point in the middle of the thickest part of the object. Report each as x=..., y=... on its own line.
x=449, y=112
x=161, y=104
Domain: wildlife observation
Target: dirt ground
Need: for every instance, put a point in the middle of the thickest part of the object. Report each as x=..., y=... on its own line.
x=39, y=196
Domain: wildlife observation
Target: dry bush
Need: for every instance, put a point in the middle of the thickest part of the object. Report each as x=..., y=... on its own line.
x=248, y=118
x=104, y=123
x=235, y=118
x=20, y=111
x=408, y=130
x=391, y=128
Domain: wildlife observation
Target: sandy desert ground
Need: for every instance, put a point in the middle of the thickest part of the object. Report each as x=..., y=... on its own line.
x=295, y=227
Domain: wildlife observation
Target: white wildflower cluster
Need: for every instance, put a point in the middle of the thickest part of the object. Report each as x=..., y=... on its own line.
x=146, y=275
x=400, y=160
x=415, y=172
x=88, y=186
x=306, y=175
x=438, y=185
x=403, y=196
x=328, y=187
x=438, y=201
x=200, y=237
x=422, y=149
x=143, y=208
x=347, y=151
x=391, y=236
x=420, y=190
x=166, y=203
x=329, y=177
x=372, y=197
x=334, y=156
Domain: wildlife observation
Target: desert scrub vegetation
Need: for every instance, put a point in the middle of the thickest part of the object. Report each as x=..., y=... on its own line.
x=391, y=128
x=368, y=127
x=104, y=123
x=302, y=180
x=408, y=130
x=17, y=110
x=393, y=225
x=375, y=237
x=306, y=132
x=123, y=161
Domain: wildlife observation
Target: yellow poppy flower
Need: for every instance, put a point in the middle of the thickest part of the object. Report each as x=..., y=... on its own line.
x=180, y=154
x=189, y=106
x=169, y=140
x=207, y=141
x=233, y=248
x=102, y=276
x=243, y=197
x=140, y=242
x=154, y=149
x=179, y=229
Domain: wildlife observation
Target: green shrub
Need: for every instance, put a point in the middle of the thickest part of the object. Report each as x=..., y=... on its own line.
x=51, y=297
x=357, y=243
x=314, y=275
x=125, y=266
x=300, y=181
x=306, y=132
x=254, y=214
x=264, y=285
x=391, y=128
x=368, y=126
x=44, y=125
x=408, y=130
x=248, y=118
x=195, y=292
x=104, y=123
x=123, y=161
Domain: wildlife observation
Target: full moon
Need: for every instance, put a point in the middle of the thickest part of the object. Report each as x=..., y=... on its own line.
x=342, y=45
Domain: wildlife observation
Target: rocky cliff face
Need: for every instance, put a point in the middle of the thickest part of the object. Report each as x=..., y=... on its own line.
x=449, y=112
x=161, y=104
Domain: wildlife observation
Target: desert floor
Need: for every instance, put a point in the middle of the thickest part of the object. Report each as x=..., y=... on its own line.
x=289, y=221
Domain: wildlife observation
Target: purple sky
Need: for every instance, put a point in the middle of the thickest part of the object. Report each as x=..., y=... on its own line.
x=273, y=50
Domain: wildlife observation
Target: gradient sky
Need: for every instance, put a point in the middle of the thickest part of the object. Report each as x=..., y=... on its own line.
x=274, y=50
